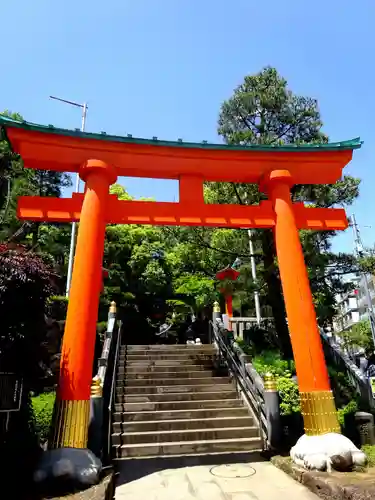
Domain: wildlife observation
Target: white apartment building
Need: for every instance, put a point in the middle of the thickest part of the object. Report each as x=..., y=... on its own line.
x=362, y=302
x=352, y=306
x=347, y=311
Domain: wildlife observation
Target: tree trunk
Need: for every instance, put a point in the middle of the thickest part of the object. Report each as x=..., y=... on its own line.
x=35, y=235
x=274, y=292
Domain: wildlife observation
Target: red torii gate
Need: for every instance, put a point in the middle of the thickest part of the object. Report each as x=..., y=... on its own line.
x=227, y=274
x=100, y=158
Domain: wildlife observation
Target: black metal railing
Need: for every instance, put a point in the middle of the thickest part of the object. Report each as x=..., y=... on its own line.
x=103, y=390
x=333, y=352
x=109, y=390
x=357, y=379
x=251, y=389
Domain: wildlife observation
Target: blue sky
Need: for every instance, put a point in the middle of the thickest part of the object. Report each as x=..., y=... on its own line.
x=163, y=67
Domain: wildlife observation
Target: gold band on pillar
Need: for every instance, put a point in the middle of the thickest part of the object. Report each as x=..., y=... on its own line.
x=71, y=423
x=319, y=413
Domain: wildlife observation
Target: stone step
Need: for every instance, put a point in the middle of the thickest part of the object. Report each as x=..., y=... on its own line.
x=163, y=370
x=162, y=382
x=184, y=435
x=169, y=352
x=165, y=347
x=172, y=389
x=186, y=448
x=148, y=363
x=167, y=357
x=181, y=424
x=211, y=413
x=192, y=374
x=184, y=396
x=178, y=405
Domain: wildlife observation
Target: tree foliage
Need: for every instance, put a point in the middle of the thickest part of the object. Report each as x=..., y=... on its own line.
x=359, y=335
x=15, y=181
x=151, y=269
x=263, y=110
x=26, y=283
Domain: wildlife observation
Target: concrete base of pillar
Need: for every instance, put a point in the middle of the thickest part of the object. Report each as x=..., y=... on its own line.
x=66, y=470
x=327, y=452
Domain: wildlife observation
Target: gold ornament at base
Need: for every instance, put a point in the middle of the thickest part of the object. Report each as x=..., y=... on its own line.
x=71, y=424
x=319, y=413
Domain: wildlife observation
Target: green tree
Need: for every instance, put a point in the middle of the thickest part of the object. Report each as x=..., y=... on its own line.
x=359, y=336
x=26, y=283
x=15, y=181
x=13, y=176
x=263, y=110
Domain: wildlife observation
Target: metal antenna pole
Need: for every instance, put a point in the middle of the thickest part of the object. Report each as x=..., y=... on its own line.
x=254, y=276
x=77, y=182
x=359, y=251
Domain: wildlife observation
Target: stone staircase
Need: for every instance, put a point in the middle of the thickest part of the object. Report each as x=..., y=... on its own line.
x=170, y=403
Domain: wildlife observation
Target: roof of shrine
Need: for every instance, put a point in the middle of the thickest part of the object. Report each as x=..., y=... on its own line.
x=129, y=139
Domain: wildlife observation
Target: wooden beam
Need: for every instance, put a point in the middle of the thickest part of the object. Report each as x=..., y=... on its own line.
x=180, y=214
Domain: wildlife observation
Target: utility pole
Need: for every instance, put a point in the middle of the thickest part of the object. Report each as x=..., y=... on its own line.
x=359, y=252
x=254, y=276
x=77, y=180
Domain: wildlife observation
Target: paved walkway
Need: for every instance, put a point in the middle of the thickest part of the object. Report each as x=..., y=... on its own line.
x=190, y=479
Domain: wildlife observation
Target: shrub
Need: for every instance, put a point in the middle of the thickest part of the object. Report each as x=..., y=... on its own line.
x=25, y=285
x=43, y=410
x=369, y=451
x=271, y=362
x=348, y=409
x=101, y=327
x=289, y=396
x=261, y=338
x=57, y=307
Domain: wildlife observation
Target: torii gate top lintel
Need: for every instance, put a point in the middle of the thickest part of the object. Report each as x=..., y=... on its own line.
x=50, y=148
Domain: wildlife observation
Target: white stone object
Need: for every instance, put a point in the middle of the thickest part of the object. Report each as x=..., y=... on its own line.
x=326, y=452
x=198, y=341
x=226, y=321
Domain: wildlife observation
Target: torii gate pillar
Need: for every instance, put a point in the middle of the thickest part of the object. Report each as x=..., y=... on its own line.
x=317, y=403
x=72, y=409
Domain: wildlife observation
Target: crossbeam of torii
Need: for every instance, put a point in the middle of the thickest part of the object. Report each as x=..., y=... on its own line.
x=100, y=159
x=38, y=208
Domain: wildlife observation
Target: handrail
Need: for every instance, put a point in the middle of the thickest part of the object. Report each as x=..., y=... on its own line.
x=103, y=388
x=345, y=359
x=106, y=349
x=249, y=388
x=357, y=379
x=113, y=389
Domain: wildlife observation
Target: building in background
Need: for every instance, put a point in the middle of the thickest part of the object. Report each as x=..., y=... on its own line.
x=352, y=306
x=362, y=301
x=348, y=309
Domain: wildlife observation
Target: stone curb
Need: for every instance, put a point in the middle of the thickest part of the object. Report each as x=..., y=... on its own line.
x=102, y=491
x=325, y=486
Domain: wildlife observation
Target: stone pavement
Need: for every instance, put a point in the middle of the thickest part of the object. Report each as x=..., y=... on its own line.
x=206, y=478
